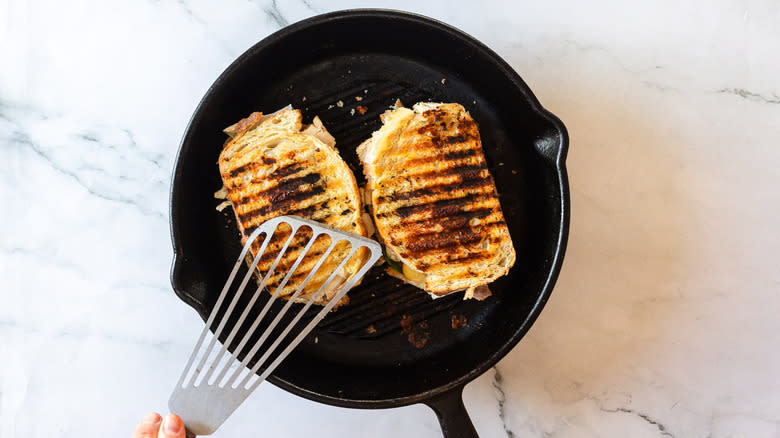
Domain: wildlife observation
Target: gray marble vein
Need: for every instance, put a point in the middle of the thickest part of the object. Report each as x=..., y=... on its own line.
x=755, y=97
x=498, y=385
x=613, y=56
x=204, y=24
x=82, y=335
x=21, y=139
x=661, y=428
x=275, y=14
x=44, y=256
x=186, y=7
x=91, y=162
x=308, y=4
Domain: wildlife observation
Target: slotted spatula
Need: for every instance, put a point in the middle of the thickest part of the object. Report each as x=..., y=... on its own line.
x=214, y=383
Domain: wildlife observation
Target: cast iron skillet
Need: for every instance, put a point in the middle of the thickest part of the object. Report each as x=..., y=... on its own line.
x=393, y=346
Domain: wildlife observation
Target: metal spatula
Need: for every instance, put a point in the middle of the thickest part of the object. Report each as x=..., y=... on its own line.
x=214, y=383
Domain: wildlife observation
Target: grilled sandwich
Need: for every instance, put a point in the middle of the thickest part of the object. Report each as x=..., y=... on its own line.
x=273, y=166
x=434, y=202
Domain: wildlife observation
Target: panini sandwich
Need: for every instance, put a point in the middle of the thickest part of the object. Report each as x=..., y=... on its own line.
x=273, y=166
x=434, y=202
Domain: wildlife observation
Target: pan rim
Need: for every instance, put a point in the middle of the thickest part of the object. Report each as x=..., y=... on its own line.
x=559, y=158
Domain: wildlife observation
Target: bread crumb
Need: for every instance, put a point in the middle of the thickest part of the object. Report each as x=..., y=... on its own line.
x=316, y=339
x=358, y=98
x=303, y=99
x=330, y=106
x=361, y=109
x=501, y=163
x=352, y=112
x=474, y=102
x=222, y=193
x=349, y=72
x=365, y=91
x=224, y=205
x=371, y=329
x=418, y=334
x=479, y=293
x=514, y=172
x=340, y=104
x=443, y=80
x=458, y=321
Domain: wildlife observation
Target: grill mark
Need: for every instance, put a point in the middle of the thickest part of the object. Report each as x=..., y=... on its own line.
x=298, y=243
x=286, y=171
x=321, y=274
x=471, y=182
x=248, y=167
x=250, y=216
x=302, y=211
x=441, y=206
x=426, y=129
x=276, y=176
x=290, y=185
x=481, y=229
x=288, y=259
x=307, y=265
x=471, y=257
x=243, y=200
x=444, y=241
x=438, y=155
x=463, y=153
x=302, y=272
x=285, y=186
x=280, y=199
x=454, y=220
x=467, y=124
x=438, y=114
x=297, y=195
x=270, y=254
x=465, y=170
x=456, y=139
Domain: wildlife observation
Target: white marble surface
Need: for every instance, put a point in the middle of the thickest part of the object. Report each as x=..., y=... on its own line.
x=665, y=319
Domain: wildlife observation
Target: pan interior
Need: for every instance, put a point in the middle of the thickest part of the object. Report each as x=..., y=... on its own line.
x=392, y=341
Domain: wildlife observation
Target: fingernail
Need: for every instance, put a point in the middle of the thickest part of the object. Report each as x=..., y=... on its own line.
x=172, y=425
x=151, y=418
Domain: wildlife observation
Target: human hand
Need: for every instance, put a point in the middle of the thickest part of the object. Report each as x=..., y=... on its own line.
x=153, y=426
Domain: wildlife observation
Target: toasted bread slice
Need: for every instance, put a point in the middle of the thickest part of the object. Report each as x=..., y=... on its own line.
x=434, y=202
x=273, y=166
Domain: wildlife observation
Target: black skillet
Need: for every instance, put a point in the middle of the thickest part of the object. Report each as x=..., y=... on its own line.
x=393, y=346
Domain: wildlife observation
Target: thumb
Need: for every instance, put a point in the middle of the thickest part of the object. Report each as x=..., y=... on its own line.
x=172, y=427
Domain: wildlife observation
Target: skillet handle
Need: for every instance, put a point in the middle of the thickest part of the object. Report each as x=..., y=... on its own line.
x=552, y=141
x=454, y=420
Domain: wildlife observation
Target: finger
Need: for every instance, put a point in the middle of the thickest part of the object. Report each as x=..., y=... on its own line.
x=172, y=427
x=149, y=426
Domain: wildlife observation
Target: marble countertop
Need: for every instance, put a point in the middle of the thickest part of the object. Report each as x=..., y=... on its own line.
x=665, y=320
